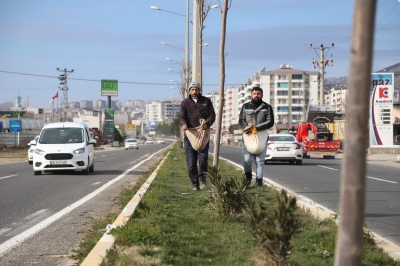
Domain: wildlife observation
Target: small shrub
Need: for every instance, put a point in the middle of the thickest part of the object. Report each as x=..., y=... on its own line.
x=273, y=226
x=228, y=194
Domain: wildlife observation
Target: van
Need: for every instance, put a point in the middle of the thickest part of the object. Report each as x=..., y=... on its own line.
x=64, y=146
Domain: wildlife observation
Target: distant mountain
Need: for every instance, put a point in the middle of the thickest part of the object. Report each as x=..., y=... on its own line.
x=331, y=82
x=6, y=106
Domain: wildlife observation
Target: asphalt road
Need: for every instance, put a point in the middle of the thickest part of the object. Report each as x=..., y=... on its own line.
x=44, y=217
x=318, y=179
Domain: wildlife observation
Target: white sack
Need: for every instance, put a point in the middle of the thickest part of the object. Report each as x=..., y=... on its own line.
x=198, y=138
x=255, y=143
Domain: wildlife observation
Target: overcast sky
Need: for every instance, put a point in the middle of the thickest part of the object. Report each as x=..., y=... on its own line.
x=121, y=40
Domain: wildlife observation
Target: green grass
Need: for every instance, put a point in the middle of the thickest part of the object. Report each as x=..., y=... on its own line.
x=177, y=226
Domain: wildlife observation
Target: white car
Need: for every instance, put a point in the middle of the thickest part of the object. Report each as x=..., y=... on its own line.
x=160, y=141
x=31, y=150
x=131, y=144
x=64, y=146
x=149, y=141
x=283, y=148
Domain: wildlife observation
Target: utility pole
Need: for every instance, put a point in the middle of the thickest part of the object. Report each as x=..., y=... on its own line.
x=322, y=63
x=64, y=88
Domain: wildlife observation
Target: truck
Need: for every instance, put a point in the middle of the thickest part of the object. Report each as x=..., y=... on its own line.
x=97, y=135
x=314, y=135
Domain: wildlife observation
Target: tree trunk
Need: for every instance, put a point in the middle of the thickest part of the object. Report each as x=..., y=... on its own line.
x=217, y=137
x=349, y=243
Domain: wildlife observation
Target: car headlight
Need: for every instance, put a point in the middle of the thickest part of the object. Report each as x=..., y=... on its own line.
x=79, y=151
x=40, y=152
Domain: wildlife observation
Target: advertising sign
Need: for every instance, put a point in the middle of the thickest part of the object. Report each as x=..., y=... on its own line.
x=15, y=125
x=1, y=126
x=109, y=87
x=381, y=109
x=109, y=124
x=130, y=127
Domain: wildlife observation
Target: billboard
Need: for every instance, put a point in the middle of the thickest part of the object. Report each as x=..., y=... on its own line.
x=381, y=110
x=15, y=125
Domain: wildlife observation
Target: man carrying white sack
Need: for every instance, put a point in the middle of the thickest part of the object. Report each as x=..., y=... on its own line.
x=255, y=118
x=193, y=109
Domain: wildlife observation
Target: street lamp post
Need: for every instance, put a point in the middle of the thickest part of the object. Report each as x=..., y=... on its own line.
x=187, y=75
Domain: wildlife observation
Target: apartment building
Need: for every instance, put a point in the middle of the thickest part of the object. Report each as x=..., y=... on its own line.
x=288, y=90
x=336, y=97
x=230, y=114
x=159, y=111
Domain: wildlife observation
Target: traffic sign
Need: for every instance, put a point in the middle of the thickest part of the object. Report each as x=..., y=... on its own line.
x=15, y=125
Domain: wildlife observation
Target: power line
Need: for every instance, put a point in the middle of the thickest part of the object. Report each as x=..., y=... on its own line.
x=96, y=80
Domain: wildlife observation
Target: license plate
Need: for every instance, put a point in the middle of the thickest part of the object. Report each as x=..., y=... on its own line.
x=58, y=162
x=283, y=149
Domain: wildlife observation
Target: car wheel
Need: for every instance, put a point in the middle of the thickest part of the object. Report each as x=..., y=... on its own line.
x=86, y=171
x=265, y=162
x=137, y=148
x=291, y=162
x=30, y=162
x=38, y=172
x=91, y=168
x=299, y=162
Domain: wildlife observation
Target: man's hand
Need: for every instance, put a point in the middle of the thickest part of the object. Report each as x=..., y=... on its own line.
x=184, y=127
x=247, y=130
x=203, y=127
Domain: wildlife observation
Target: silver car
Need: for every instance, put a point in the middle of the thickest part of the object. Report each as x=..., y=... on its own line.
x=131, y=144
x=31, y=150
x=283, y=148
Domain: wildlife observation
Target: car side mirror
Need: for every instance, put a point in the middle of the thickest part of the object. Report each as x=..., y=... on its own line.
x=92, y=142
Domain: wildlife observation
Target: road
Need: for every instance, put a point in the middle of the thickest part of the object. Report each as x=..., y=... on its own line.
x=43, y=217
x=319, y=180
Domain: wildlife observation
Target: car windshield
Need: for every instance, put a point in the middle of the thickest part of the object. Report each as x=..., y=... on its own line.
x=281, y=138
x=61, y=136
x=131, y=140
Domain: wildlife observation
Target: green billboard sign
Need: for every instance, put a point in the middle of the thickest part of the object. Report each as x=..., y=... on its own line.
x=109, y=87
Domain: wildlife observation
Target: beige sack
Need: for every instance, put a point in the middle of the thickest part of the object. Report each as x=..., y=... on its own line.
x=198, y=138
x=255, y=143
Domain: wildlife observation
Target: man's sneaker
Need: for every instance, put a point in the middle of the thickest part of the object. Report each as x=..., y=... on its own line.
x=259, y=182
x=249, y=176
x=195, y=187
x=203, y=184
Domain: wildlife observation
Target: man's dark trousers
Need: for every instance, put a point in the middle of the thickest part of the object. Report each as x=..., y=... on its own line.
x=192, y=155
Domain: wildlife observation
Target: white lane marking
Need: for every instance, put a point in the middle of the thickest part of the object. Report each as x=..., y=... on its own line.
x=383, y=180
x=328, y=168
x=35, y=214
x=4, y=230
x=96, y=183
x=370, y=177
x=103, y=155
x=16, y=240
x=144, y=156
x=4, y=177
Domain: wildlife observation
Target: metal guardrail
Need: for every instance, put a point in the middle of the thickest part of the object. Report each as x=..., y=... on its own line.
x=9, y=139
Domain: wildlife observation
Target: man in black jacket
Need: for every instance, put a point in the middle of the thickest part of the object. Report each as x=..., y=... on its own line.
x=261, y=117
x=194, y=108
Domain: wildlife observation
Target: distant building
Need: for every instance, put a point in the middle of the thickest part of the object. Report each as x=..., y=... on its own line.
x=336, y=97
x=288, y=90
x=230, y=114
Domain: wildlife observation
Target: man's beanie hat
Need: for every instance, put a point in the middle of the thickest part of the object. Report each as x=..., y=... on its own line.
x=194, y=84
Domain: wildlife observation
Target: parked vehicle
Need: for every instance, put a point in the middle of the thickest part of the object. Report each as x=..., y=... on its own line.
x=131, y=144
x=64, y=146
x=31, y=150
x=283, y=148
x=160, y=141
x=396, y=140
x=314, y=136
x=97, y=135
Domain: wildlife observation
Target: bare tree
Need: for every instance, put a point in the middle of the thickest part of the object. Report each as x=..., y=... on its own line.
x=224, y=14
x=349, y=243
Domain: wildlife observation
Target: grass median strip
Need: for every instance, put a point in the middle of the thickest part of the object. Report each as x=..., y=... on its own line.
x=177, y=226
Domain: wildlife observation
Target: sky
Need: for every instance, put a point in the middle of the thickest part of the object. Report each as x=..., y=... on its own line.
x=121, y=40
